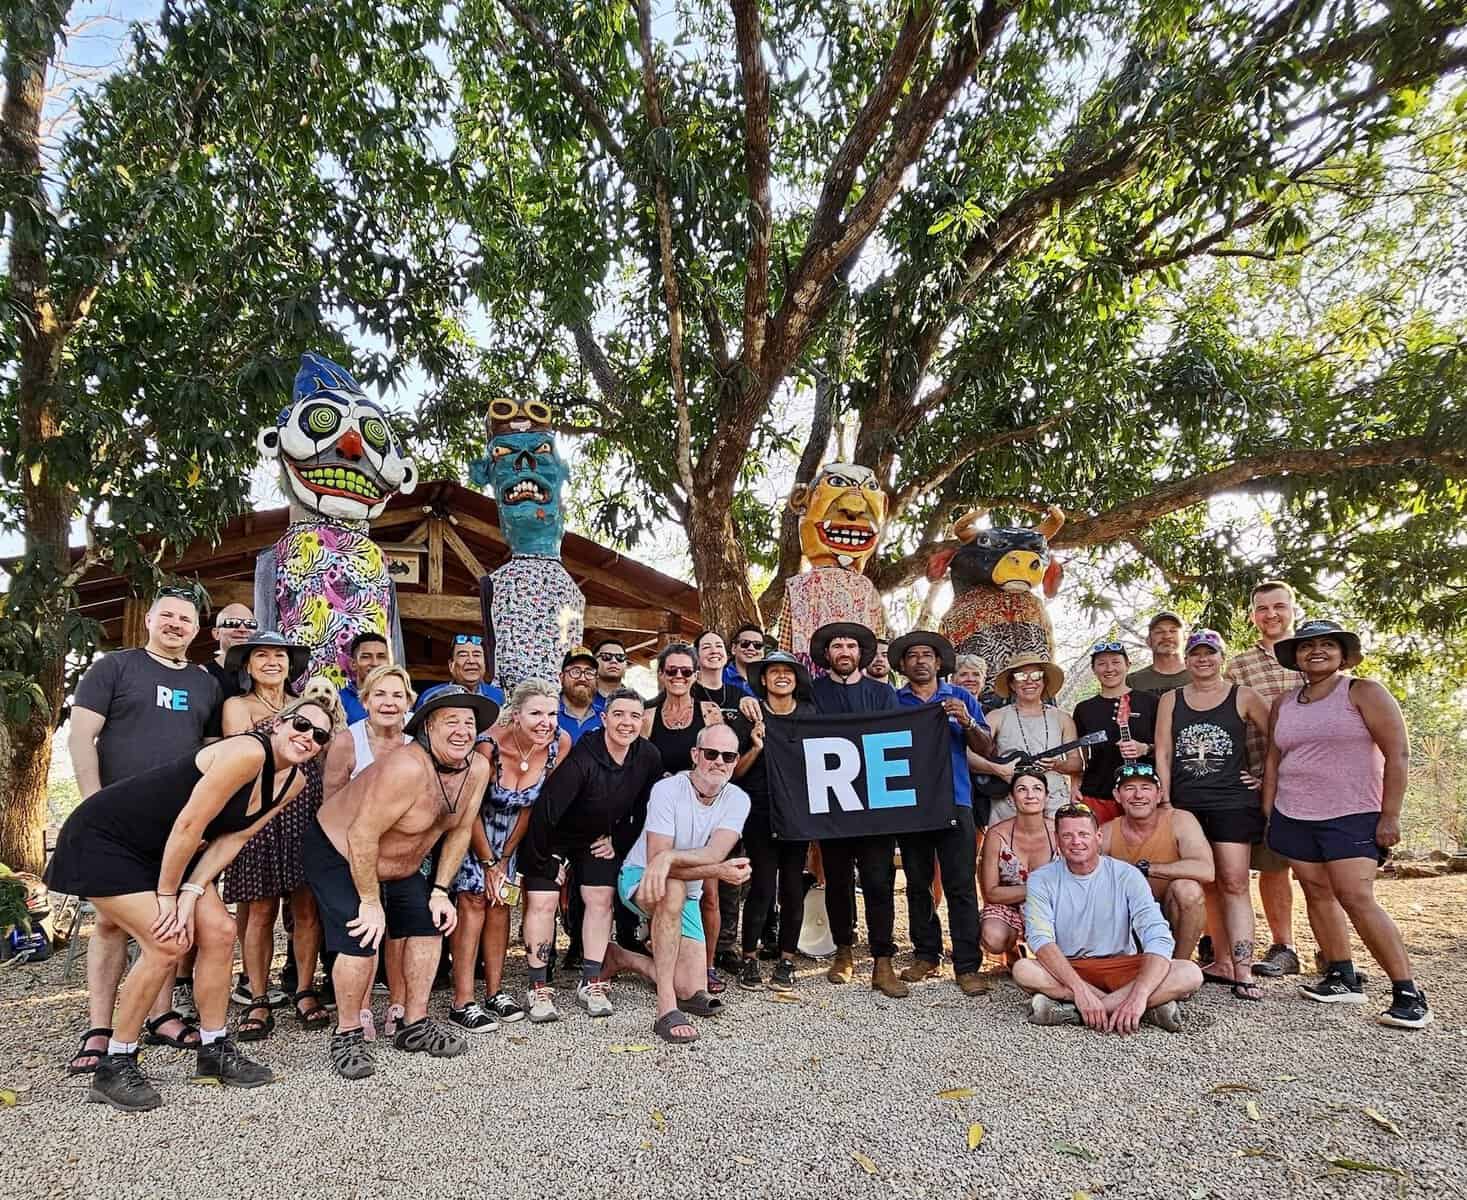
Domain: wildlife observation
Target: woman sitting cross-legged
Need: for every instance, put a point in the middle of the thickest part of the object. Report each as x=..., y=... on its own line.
x=133, y=849
x=1011, y=850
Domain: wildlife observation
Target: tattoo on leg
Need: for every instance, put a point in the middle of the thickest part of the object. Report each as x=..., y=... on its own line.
x=1242, y=951
x=542, y=951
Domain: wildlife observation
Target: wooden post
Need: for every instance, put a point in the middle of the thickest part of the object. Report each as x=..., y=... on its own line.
x=134, y=631
x=435, y=556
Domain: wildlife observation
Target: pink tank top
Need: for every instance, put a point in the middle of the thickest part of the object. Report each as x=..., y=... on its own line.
x=1329, y=766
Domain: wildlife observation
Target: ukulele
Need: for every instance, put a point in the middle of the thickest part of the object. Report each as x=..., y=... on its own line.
x=1123, y=717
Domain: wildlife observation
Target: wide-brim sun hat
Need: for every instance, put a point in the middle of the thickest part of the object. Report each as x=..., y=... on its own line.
x=778, y=658
x=947, y=657
x=453, y=695
x=238, y=655
x=1286, y=650
x=820, y=642
x=1054, y=677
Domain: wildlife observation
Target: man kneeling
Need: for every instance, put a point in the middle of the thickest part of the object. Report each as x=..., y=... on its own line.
x=694, y=820
x=1082, y=916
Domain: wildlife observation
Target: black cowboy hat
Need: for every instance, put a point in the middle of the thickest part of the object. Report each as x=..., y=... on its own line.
x=1286, y=650
x=453, y=695
x=756, y=669
x=267, y=639
x=820, y=641
x=947, y=657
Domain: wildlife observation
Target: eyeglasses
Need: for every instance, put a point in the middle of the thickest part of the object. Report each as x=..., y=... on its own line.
x=745, y=644
x=1027, y=676
x=467, y=639
x=580, y=672
x=238, y=623
x=609, y=656
x=678, y=672
x=502, y=409
x=1108, y=648
x=301, y=724
x=1137, y=771
x=712, y=756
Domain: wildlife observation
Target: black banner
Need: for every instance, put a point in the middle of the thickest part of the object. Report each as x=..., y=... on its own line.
x=859, y=774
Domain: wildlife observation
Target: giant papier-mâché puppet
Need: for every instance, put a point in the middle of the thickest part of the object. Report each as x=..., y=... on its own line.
x=997, y=576
x=326, y=580
x=841, y=514
x=533, y=612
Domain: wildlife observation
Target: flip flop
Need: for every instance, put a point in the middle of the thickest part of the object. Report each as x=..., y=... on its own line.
x=668, y=1021
x=1247, y=991
x=701, y=1004
x=1215, y=977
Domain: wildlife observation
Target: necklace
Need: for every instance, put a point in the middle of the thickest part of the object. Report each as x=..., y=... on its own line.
x=1302, y=696
x=451, y=805
x=272, y=708
x=524, y=757
x=1024, y=733
x=175, y=663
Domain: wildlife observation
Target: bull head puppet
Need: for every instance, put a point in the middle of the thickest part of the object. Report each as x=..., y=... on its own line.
x=842, y=512
x=998, y=576
x=532, y=609
x=325, y=581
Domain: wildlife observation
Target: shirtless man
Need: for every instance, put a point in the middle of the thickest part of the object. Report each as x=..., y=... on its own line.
x=362, y=856
x=1167, y=846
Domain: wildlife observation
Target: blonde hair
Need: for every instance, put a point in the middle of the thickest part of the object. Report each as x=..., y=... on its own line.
x=320, y=690
x=377, y=674
x=525, y=690
x=309, y=700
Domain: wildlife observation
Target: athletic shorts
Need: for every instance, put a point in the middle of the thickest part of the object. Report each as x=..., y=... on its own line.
x=405, y=901
x=1105, y=808
x=1241, y=825
x=1350, y=836
x=626, y=887
x=1265, y=858
x=1109, y=973
x=586, y=870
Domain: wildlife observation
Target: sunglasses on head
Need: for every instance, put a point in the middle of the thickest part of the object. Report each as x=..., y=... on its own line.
x=238, y=623
x=1108, y=648
x=611, y=656
x=678, y=672
x=728, y=756
x=303, y=724
x=178, y=593
x=467, y=639
x=1137, y=771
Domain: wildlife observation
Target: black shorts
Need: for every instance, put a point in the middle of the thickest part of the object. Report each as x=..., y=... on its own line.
x=1242, y=825
x=405, y=901
x=586, y=870
x=1338, y=838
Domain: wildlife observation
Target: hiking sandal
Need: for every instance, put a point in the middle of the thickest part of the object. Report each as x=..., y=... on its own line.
x=315, y=1017
x=252, y=1029
x=349, y=1055
x=429, y=1037
x=74, y=1067
x=665, y=1024
x=178, y=1041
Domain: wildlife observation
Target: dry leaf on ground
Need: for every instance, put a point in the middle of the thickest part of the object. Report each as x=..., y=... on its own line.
x=975, y=1136
x=866, y=1163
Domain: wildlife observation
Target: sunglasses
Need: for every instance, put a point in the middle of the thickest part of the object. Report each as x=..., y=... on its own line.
x=748, y=645
x=238, y=623
x=179, y=593
x=608, y=656
x=678, y=672
x=302, y=724
x=1137, y=771
x=1027, y=676
x=467, y=639
x=1108, y=648
x=728, y=756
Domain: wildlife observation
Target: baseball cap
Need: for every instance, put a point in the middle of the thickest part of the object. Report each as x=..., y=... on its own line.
x=578, y=654
x=1206, y=637
x=1165, y=615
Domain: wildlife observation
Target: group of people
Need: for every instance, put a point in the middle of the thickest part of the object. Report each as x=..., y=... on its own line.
x=394, y=824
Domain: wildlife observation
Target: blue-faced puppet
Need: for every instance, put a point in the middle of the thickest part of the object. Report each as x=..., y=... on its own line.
x=533, y=612
x=325, y=580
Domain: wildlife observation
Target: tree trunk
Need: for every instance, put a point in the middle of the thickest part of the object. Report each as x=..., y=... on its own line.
x=720, y=567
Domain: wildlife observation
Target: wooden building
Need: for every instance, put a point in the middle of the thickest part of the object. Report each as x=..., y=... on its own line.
x=439, y=541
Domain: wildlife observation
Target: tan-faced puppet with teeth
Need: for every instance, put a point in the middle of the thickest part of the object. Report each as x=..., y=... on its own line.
x=841, y=514
x=325, y=581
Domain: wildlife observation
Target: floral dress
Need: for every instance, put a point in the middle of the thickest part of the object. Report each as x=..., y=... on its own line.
x=499, y=813
x=1012, y=873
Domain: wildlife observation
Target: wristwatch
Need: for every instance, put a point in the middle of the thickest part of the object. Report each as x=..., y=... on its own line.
x=1144, y=866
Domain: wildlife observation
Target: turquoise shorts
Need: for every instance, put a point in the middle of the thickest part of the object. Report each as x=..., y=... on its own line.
x=626, y=888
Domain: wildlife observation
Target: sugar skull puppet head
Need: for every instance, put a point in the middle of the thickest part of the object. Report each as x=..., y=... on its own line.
x=841, y=514
x=338, y=455
x=528, y=476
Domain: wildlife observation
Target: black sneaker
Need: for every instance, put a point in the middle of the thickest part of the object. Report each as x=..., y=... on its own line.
x=1334, y=989
x=221, y=1062
x=504, y=1007
x=768, y=953
x=730, y=962
x=472, y=1019
x=749, y=978
x=1407, y=1011
x=783, y=977
x=120, y=1082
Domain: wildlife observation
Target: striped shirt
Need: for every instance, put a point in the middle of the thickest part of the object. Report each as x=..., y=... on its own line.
x=1259, y=669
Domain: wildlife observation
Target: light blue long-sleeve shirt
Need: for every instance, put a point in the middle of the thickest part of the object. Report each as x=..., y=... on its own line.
x=1097, y=915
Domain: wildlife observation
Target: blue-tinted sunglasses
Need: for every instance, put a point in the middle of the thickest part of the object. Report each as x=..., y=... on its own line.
x=1108, y=648
x=467, y=639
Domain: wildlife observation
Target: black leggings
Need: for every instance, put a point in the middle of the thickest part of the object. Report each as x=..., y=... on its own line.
x=872, y=859
x=772, y=859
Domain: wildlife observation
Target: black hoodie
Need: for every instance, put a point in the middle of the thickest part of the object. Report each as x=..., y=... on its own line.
x=590, y=795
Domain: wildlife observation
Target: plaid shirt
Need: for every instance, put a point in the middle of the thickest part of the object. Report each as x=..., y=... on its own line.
x=1259, y=669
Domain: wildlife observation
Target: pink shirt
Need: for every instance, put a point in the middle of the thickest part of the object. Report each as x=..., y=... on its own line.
x=1329, y=766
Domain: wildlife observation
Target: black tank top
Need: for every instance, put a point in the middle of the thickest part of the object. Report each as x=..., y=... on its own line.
x=675, y=745
x=1209, y=755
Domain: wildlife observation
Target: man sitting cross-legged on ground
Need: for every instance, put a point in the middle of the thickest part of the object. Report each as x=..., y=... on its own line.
x=694, y=819
x=1167, y=846
x=1082, y=916
x=362, y=856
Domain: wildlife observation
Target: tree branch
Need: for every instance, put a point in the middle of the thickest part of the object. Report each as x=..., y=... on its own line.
x=755, y=80
x=596, y=363
x=966, y=451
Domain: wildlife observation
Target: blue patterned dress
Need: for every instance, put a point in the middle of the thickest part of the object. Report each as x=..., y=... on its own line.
x=500, y=810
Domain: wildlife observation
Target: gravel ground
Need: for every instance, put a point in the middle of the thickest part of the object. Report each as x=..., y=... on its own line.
x=835, y=1093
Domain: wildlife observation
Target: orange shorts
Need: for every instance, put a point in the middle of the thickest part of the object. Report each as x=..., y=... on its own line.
x=1104, y=808
x=1108, y=973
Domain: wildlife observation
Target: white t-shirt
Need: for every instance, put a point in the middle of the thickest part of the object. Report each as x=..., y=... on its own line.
x=674, y=810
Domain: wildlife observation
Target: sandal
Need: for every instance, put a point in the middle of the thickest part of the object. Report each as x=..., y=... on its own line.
x=315, y=1017
x=665, y=1024
x=74, y=1067
x=715, y=982
x=252, y=1029
x=425, y=1036
x=349, y=1055
x=701, y=1004
x=179, y=1041
x=1247, y=991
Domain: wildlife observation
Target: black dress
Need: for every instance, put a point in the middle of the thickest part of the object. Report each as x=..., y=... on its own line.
x=112, y=844
x=675, y=745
